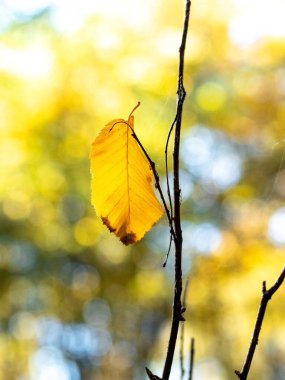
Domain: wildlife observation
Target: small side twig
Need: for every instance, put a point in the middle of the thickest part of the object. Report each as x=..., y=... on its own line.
x=156, y=178
x=168, y=183
x=266, y=296
x=150, y=375
x=181, y=353
x=168, y=251
x=191, y=359
x=166, y=164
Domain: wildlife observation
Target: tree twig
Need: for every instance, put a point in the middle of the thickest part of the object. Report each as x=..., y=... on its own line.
x=158, y=187
x=177, y=306
x=168, y=183
x=266, y=296
x=166, y=165
x=191, y=359
x=150, y=375
x=181, y=353
x=175, y=224
x=156, y=177
x=168, y=251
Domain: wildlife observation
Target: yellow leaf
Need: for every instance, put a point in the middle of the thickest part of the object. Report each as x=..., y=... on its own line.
x=122, y=191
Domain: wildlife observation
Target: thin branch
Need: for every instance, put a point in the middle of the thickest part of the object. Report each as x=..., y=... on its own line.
x=156, y=177
x=150, y=375
x=183, y=309
x=168, y=184
x=177, y=306
x=191, y=359
x=168, y=251
x=185, y=293
x=181, y=353
x=266, y=296
x=175, y=217
x=166, y=165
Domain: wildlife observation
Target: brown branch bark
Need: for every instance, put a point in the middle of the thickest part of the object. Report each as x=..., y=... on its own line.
x=177, y=307
x=266, y=296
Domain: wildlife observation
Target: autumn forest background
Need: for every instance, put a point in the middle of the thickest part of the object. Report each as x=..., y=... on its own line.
x=75, y=303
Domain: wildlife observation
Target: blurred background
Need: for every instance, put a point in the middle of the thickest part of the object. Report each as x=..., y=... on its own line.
x=75, y=303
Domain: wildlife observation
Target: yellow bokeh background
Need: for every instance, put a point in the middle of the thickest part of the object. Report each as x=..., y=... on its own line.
x=75, y=303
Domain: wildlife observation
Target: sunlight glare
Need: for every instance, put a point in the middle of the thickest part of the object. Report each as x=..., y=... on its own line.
x=32, y=62
x=27, y=6
x=68, y=17
x=167, y=43
x=276, y=227
x=48, y=363
x=255, y=20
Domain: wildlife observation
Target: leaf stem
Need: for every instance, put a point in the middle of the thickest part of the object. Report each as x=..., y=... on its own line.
x=156, y=178
x=133, y=110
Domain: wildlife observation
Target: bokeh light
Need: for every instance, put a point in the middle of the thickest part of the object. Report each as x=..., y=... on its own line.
x=75, y=303
x=276, y=227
